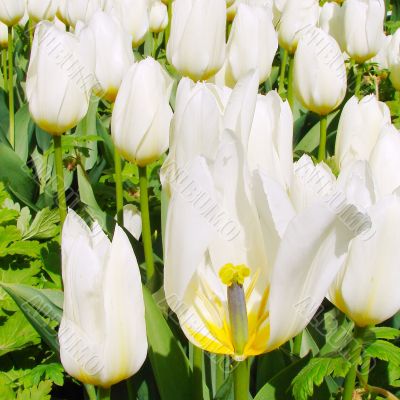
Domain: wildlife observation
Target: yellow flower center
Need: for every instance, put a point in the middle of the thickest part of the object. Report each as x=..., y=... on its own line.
x=230, y=274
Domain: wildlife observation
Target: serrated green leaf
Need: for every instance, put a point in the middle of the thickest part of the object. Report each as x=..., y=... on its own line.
x=394, y=375
x=384, y=351
x=314, y=373
x=44, y=225
x=381, y=332
x=7, y=215
x=39, y=392
x=51, y=371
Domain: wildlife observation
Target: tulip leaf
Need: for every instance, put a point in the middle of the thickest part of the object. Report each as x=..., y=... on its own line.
x=170, y=365
x=23, y=132
x=277, y=388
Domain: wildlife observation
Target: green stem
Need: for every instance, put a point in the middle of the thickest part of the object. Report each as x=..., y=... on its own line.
x=58, y=159
x=364, y=370
x=290, y=93
x=168, y=28
x=91, y=391
x=119, y=188
x=5, y=75
x=297, y=344
x=104, y=394
x=131, y=389
x=146, y=228
x=198, y=372
x=219, y=371
x=322, y=138
x=282, y=75
x=241, y=380
x=359, y=75
x=11, y=86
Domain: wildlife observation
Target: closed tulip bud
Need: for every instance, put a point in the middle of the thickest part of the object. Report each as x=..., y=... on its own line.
x=393, y=59
x=134, y=17
x=297, y=16
x=252, y=24
x=232, y=7
x=102, y=333
x=142, y=114
x=158, y=17
x=3, y=35
x=198, y=56
x=113, y=54
x=11, y=11
x=363, y=28
x=59, y=79
x=40, y=10
x=82, y=10
x=360, y=124
x=319, y=72
x=331, y=21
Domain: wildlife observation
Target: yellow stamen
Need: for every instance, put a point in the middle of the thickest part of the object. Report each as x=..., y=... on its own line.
x=230, y=274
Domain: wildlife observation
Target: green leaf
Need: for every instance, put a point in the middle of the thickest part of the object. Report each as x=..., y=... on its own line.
x=23, y=132
x=384, y=351
x=44, y=226
x=314, y=373
x=381, y=332
x=7, y=215
x=39, y=392
x=226, y=392
x=51, y=371
x=16, y=333
x=11, y=244
x=277, y=388
x=169, y=363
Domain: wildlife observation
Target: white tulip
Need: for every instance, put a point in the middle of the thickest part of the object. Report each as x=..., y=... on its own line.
x=11, y=11
x=363, y=28
x=366, y=287
x=297, y=17
x=62, y=12
x=134, y=17
x=382, y=58
x=158, y=18
x=320, y=80
x=3, y=35
x=103, y=332
x=142, y=114
x=40, y=10
x=331, y=21
x=198, y=56
x=393, y=59
x=114, y=54
x=59, y=79
x=360, y=124
x=252, y=24
x=233, y=6
x=82, y=10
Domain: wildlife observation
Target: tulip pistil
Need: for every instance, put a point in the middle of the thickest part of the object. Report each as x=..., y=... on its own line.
x=233, y=276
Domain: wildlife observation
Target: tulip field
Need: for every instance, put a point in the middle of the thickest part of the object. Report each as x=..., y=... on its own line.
x=199, y=199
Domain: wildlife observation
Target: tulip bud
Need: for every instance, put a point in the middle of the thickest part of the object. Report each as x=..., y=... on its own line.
x=40, y=10
x=11, y=11
x=59, y=79
x=102, y=333
x=297, y=17
x=196, y=55
x=319, y=72
x=142, y=114
x=331, y=22
x=252, y=24
x=158, y=17
x=134, y=17
x=393, y=59
x=359, y=127
x=232, y=6
x=112, y=43
x=82, y=10
x=363, y=28
x=3, y=35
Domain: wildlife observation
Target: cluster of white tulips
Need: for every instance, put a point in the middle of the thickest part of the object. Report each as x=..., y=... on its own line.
x=253, y=241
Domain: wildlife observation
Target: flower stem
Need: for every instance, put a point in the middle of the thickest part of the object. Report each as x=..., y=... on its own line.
x=5, y=75
x=146, y=228
x=104, y=394
x=119, y=188
x=11, y=86
x=241, y=380
x=282, y=75
x=91, y=391
x=198, y=372
x=290, y=93
x=219, y=371
x=297, y=344
x=58, y=159
x=359, y=75
x=322, y=138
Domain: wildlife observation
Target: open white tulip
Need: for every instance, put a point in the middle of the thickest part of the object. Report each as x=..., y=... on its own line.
x=40, y=10
x=114, y=54
x=142, y=114
x=11, y=11
x=363, y=28
x=134, y=17
x=320, y=80
x=234, y=280
x=252, y=24
x=158, y=17
x=198, y=56
x=297, y=18
x=59, y=79
x=103, y=332
x=360, y=124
